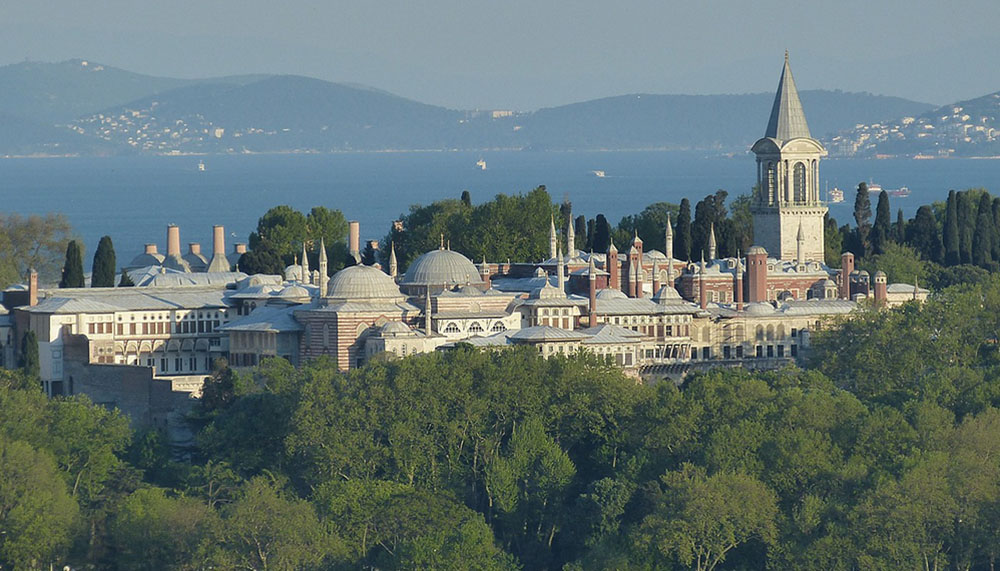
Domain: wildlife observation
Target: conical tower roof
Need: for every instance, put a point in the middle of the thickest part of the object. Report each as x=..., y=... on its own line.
x=788, y=120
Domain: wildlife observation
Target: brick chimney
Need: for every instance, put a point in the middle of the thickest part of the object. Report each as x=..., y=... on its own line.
x=194, y=248
x=881, y=289
x=151, y=249
x=757, y=274
x=846, y=269
x=240, y=248
x=32, y=287
x=173, y=241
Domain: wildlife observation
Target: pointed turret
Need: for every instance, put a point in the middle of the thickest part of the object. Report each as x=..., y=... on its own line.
x=669, y=242
x=393, y=263
x=552, y=237
x=560, y=269
x=324, y=277
x=570, y=238
x=711, y=242
x=800, y=250
x=788, y=120
x=304, y=267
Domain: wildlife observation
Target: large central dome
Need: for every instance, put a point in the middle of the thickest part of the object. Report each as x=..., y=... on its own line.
x=361, y=283
x=441, y=268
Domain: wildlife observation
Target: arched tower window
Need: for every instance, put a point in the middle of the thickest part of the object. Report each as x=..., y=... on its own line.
x=771, y=180
x=799, y=183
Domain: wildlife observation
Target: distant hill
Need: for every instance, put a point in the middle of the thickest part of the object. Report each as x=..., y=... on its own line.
x=92, y=108
x=964, y=129
x=699, y=121
x=60, y=92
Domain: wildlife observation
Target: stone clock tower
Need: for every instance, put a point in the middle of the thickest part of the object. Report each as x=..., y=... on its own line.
x=787, y=200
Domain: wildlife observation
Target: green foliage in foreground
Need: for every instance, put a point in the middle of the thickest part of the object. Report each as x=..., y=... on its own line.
x=883, y=454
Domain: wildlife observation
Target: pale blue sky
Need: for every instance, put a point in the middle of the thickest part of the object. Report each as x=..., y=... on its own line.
x=528, y=54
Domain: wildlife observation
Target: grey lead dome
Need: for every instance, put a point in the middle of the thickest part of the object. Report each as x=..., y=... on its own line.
x=441, y=268
x=362, y=283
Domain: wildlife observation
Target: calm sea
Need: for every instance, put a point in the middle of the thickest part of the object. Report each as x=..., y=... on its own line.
x=134, y=198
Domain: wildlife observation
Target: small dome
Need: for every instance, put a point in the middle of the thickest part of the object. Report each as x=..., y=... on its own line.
x=829, y=283
x=667, y=294
x=756, y=250
x=441, y=267
x=863, y=273
x=294, y=291
x=143, y=260
x=610, y=293
x=540, y=273
x=760, y=308
x=362, y=282
x=197, y=262
x=293, y=272
x=395, y=329
x=469, y=290
x=548, y=291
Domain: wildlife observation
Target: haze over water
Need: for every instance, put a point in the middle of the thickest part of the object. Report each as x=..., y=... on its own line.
x=133, y=198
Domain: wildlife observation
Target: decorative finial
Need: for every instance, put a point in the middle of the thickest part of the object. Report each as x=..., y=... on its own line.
x=441, y=247
x=786, y=56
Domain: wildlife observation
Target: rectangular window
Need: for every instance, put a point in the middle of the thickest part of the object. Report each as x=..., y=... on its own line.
x=91, y=329
x=163, y=365
x=178, y=364
x=739, y=351
x=794, y=350
x=770, y=350
x=760, y=350
x=706, y=352
x=781, y=350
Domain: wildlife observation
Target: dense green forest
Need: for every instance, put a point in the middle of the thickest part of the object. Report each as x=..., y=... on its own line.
x=882, y=452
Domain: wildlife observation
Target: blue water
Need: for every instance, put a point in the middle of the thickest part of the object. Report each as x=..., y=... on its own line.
x=134, y=198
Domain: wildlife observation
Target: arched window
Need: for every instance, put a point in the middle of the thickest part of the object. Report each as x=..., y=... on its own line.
x=451, y=328
x=799, y=184
x=770, y=182
x=498, y=327
x=475, y=327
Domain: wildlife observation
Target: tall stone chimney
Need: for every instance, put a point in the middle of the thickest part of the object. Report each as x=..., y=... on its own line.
x=218, y=240
x=757, y=274
x=173, y=240
x=219, y=261
x=354, y=238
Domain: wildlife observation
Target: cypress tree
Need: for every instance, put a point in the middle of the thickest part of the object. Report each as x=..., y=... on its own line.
x=862, y=217
x=580, y=229
x=72, y=274
x=602, y=234
x=28, y=359
x=466, y=198
x=590, y=235
x=950, y=232
x=996, y=229
x=982, y=243
x=922, y=234
x=126, y=280
x=682, y=232
x=966, y=225
x=881, y=230
x=103, y=274
x=899, y=229
x=704, y=217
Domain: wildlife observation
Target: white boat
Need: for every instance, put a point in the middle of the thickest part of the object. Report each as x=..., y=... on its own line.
x=481, y=163
x=834, y=196
x=598, y=174
x=201, y=166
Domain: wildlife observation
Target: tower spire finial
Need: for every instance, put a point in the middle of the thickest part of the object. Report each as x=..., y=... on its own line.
x=786, y=56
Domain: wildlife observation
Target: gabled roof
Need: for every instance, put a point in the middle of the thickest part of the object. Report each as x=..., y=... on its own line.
x=788, y=120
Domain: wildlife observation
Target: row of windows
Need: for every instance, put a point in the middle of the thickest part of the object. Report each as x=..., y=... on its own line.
x=157, y=328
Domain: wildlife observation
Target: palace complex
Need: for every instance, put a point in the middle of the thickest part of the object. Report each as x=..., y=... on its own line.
x=144, y=349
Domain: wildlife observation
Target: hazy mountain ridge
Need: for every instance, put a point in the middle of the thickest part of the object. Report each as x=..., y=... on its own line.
x=120, y=111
